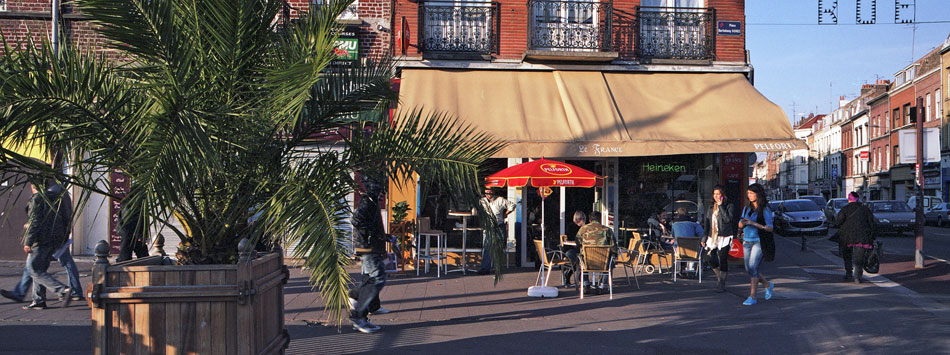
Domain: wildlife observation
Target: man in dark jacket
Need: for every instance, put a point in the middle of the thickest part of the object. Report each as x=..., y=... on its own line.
x=370, y=244
x=855, y=221
x=49, y=220
x=131, y=230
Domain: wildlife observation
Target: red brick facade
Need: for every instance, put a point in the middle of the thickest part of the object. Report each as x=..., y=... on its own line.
x=514, y=28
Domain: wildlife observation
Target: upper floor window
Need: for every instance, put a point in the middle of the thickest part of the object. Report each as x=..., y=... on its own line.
x=897, y=118
x=938, y=104
x=927, y=113
x=675, y=29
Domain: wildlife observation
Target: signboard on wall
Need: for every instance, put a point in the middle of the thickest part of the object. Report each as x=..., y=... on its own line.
x=729, y=28
x=347, y=47
x=908, y=145
x=119, y=188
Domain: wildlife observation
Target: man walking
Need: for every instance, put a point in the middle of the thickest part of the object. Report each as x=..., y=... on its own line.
x=370, y=239
x=49, y=219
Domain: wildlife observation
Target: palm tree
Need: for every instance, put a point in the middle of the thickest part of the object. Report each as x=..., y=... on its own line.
x=212, y=109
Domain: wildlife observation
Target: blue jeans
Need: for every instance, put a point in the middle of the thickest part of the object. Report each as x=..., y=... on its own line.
x=374, y=278
x=66, y=260
x=38, y=264
x=752, y=256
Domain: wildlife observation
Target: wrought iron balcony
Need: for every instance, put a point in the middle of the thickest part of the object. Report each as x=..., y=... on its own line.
x=675, y=33
x=570, y=25
x=459, y=27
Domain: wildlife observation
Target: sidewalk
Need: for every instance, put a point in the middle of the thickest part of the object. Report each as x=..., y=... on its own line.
x=812, y=312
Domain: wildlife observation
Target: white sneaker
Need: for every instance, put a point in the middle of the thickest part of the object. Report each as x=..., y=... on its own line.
x=352, y=303
x=381, y=310
x=364, y=326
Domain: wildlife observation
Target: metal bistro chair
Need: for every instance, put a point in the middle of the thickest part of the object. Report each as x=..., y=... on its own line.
x=688, y=250
x=595, y=261
x=627, y=258
x=424, y=253
x=549, y=259
x=647, y=249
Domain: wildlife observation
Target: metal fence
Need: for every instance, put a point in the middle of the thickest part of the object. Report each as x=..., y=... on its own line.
x=570, y=25
x=467, y=27
x=675, y=33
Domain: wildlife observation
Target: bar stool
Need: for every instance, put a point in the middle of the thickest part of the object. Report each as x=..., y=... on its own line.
x=424, y=253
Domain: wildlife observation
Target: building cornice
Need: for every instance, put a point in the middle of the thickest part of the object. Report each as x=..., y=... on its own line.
x=616, y=66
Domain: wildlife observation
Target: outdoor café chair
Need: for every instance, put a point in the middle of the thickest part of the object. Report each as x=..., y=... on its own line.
x=595, y=261
x=688, y=250
x=646, y=249
x=549, y=259
x=628, y=257
x=424, y=251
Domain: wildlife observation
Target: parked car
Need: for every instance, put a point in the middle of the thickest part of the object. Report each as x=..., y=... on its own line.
x=818, y=200
x=938, y=215
x=892, y=216
x=833, y=207
x=929, y=202
x=800, y=216
x=773, y=205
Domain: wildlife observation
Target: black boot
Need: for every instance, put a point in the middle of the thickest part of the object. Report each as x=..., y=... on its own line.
x=847, y=275
x=857, y=275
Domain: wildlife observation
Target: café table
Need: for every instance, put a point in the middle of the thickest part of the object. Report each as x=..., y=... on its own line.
x=464, y=229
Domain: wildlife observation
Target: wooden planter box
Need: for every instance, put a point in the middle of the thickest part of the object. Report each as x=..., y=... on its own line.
x=143, y=307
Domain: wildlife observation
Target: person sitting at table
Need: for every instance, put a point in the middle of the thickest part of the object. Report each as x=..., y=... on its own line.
x=684, y=226
x=592, y=233
x=659, y=229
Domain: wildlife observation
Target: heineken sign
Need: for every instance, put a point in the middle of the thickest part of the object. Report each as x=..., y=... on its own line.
x=664, y=168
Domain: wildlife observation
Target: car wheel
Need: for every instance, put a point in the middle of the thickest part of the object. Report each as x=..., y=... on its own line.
x=939, y=222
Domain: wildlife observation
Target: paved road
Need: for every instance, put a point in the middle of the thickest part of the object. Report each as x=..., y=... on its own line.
x=812, y=312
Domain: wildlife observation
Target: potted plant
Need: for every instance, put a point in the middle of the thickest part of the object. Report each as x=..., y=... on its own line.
x=402, y=230
x=211, y=110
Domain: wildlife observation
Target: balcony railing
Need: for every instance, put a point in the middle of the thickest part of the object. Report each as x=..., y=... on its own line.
x=466, y=27
x=675, y=33
x=570, y=25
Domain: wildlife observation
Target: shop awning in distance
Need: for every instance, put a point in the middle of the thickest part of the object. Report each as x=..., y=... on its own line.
x=591, y=113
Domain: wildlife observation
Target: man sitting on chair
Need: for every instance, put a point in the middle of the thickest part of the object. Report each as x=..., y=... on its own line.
x=684, y=226
x=592, y=233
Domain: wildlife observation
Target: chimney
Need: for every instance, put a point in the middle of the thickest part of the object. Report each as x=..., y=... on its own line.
x=866, y=88
x=841, y=101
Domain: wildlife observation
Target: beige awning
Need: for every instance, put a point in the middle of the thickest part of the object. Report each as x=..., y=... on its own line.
x=588, y=113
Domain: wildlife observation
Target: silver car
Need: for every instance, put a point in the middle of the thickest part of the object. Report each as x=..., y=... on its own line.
x=800, y=217
x=833, y=207
x=938, y=215
x=892, y=217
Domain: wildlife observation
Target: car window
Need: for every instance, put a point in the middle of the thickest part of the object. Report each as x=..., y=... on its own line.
x=800, y=205
x=890, y=207
x=839, y=204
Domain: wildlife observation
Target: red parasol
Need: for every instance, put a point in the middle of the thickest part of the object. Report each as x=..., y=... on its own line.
x=543, y=172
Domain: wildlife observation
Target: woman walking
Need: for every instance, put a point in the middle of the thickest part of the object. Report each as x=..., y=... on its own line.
x=855, y=221
x=756, y=218
x=721, y=224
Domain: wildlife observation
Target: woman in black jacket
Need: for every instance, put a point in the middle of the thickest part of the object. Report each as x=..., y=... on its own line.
x=855, y=221
x=720, y=225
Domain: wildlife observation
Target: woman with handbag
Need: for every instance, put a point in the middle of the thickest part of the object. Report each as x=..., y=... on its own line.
x=720, y=222
x=756, y=220
x=855, y=221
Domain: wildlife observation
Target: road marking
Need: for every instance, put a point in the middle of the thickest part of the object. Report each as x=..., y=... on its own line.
x=921, y=301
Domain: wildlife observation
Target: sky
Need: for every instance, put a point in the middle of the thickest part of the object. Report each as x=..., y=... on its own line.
x=804, y=67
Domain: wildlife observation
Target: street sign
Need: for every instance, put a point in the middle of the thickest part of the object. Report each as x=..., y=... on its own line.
x=865, y=155
x=834, y=171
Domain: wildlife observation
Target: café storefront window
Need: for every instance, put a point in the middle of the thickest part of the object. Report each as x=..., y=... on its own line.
x=661, y=184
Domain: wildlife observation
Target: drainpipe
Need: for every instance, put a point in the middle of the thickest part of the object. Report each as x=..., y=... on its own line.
x=55, y=14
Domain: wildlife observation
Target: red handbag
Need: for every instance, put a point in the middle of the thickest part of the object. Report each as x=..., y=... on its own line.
x=735, y=250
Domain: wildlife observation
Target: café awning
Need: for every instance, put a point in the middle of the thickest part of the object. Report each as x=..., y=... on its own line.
x=592, y=113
